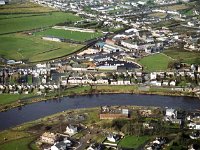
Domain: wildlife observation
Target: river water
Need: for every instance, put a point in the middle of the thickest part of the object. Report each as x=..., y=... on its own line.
x=35, y=111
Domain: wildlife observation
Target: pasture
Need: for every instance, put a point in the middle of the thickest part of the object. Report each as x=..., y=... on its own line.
x=25, y=7
x=32, y=49
x=72, y=35
x=183, y=55
x=21, y=22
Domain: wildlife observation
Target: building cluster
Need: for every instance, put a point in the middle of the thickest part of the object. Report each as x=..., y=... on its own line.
x=57, y=141
x=109, y=113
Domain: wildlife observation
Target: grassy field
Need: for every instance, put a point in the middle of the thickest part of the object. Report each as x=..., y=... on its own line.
x=18, y=47
x=160, y=15
x=118, y=88
x=176, y=7
x=72, y=35
x=11, y=135
x=185, y=56
x=133, y=141
x=27, y=22
x=9, y=98
x=156, y=62
x=24, y=8
x=21, y=144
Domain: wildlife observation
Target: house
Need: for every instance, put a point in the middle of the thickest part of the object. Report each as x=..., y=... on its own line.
x=195, y=126
x=153, y=75
x=113, y=138
x=165, y=83
x=195, y=135
x=156, y=83
x=63, y=145
x=108, y=113
x=49, y=138
x=71, y=130
x=2, y=2
x=171, y=113
x=94, y=146
x=111, y=48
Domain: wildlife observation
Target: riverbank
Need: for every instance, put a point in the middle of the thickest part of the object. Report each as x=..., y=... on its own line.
x=95, y=90
x=25, y=136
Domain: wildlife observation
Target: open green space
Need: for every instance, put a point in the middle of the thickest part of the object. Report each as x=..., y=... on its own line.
x=25, y=7
x=21, y=144
x=133, y=141
x=156, y=62
x=67, y=34
x=9, y=98
x=25, y=22
x=116, y=88
x=184, y=56
x=32, y=49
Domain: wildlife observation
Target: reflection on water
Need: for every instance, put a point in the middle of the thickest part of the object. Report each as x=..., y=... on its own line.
x=35, y=111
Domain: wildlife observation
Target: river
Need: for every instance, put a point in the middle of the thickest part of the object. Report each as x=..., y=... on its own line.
x=38, y=110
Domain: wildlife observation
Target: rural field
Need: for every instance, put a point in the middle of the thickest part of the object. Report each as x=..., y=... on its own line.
x=184, y=56
x=25, y=7
x=156, y=62
x=27, y=22
x=32, y=49
x=72, y=35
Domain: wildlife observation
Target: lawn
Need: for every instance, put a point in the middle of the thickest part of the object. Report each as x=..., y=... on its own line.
x=9, y=98
x=32, y=49
x=27, y=22
x=72, y=35
x=133, y=141
x=25, y=7
x=185, y=56
x=156, y=62
x=21, y=144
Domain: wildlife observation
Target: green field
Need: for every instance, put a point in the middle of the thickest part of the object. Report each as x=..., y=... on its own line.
x=21, y=144
x=24, y=8
x=133, y=141
x=32, y=49
x=72, y=35
x=156, y=62
x=184, y=56
x=9, y=98
x=27, y=22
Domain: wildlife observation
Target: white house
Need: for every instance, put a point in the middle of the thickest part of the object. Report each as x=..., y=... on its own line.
x=194, y=126
x=71, y=130
x=153, y=75
x=94, y=147
x=113, y=138
x=156, y=83
x=171, y=112
x=61, y=145
x=172, y=83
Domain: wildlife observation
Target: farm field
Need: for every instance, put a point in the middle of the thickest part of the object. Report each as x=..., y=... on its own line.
x=25, y=7
x=156, y=62
x=32, y=49
x=21, y=22
x=185, y=56
x=67, y=34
